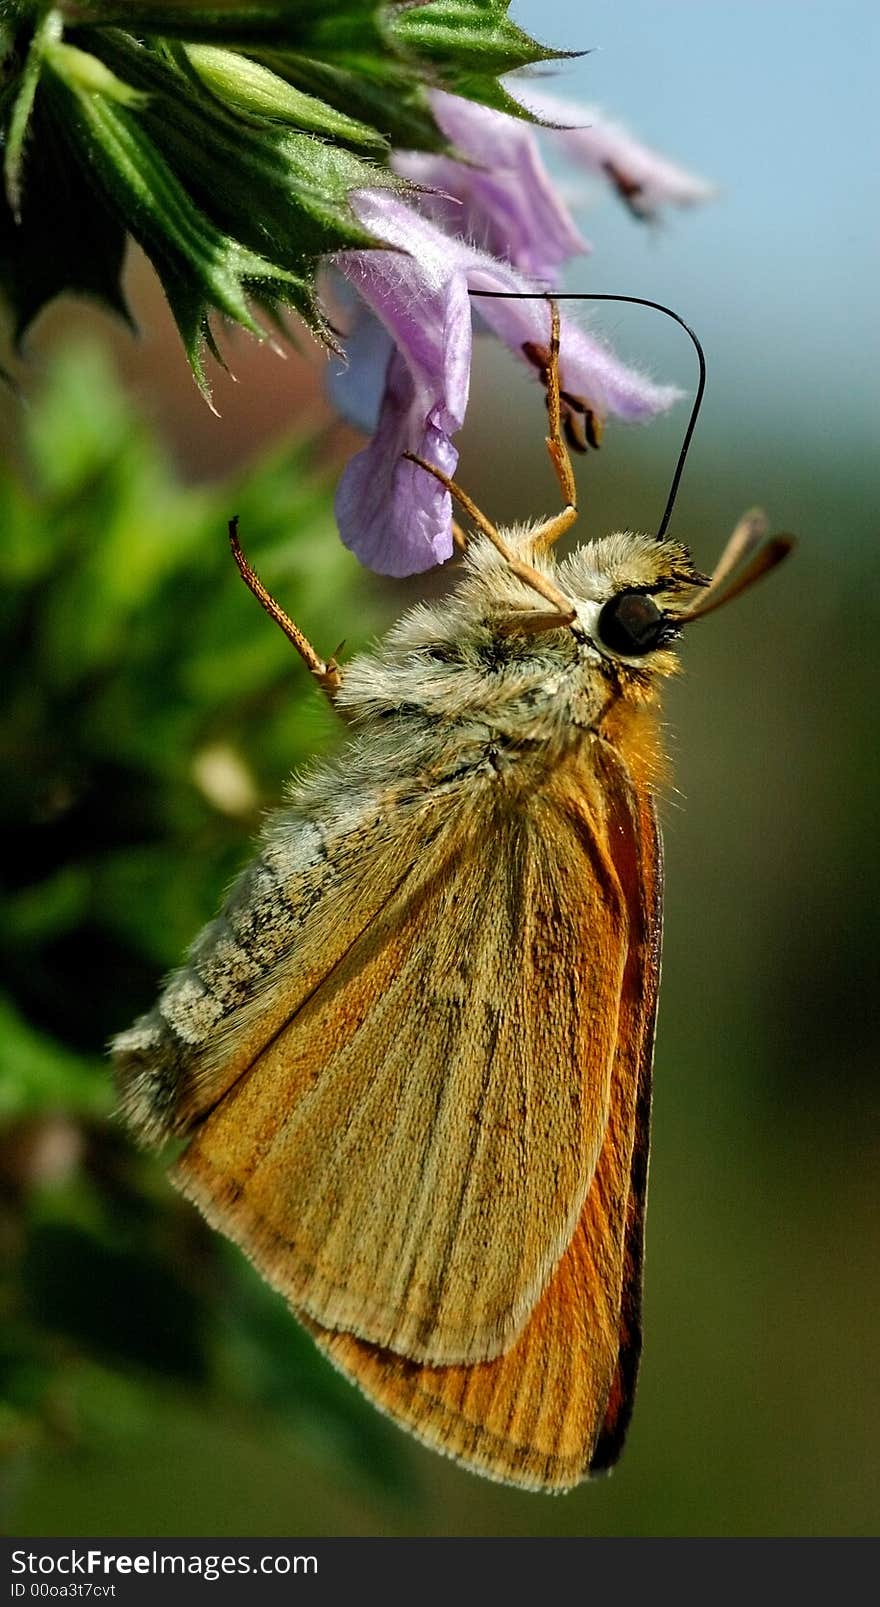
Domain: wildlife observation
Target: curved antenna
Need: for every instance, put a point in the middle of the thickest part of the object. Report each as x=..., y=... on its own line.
x=634, y=301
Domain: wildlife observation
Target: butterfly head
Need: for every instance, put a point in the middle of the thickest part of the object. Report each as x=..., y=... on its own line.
x=630, y=593
x=500, y=648
x=625, y=597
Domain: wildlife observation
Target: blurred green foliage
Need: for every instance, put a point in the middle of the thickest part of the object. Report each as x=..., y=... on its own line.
x=151, y=711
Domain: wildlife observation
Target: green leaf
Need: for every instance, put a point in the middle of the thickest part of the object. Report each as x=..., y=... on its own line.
x=461, y=36
x=205, y=267
x=488, y=91
x=88, y=73
x=225, y=139
x=341, y=29
x=282, y=192
x=251, y=88
x=75, y=245
x=47, y=30
x=380, y=92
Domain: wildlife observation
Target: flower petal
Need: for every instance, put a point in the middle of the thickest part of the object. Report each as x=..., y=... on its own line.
x=394, y=515
x=408, y=290
x=356, y=383
x=587, y=366
x=643, y=179
x=506, y=203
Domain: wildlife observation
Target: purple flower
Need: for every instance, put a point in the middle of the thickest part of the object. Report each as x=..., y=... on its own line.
x=502, y=197
x=394, y=515
x=644, y=180
x=492, y=221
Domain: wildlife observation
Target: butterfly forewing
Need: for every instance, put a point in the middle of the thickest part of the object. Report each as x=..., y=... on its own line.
x=408, y=1156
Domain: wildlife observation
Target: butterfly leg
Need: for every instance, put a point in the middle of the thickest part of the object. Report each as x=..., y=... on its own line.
x=538, y=582
x=328, y=675
x=459, y=537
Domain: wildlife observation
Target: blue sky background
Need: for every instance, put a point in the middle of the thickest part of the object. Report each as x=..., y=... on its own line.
x=775, y=103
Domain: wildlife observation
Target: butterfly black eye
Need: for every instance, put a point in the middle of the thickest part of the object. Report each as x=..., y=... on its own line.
x=631, y=623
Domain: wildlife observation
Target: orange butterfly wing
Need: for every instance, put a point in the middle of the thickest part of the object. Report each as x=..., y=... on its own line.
x=407, y=1157
x=555, y=1408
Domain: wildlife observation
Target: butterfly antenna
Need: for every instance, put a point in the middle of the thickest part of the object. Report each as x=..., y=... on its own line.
x=633, y=301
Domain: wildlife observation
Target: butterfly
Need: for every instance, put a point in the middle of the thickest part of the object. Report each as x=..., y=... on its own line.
x=411, y=1058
